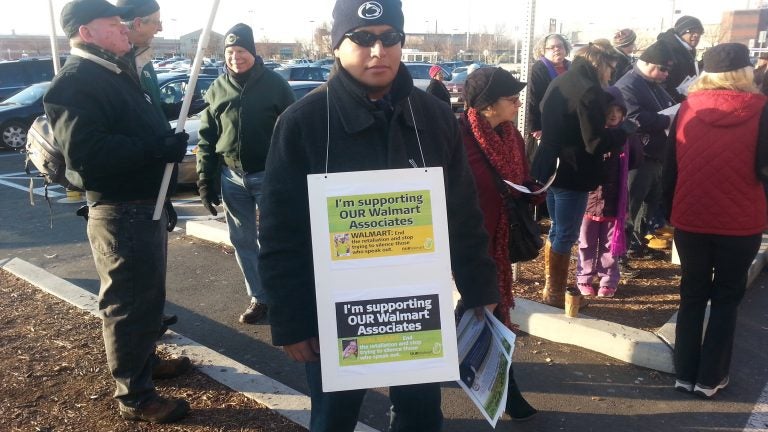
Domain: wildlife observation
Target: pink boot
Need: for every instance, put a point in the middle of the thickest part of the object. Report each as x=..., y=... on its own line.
x=586, y=289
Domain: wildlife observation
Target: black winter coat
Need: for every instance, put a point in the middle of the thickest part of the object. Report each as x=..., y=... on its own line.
x=685, y=63
x=363, y=136
x=437, y=89
x=107, y=129
x=573, y=129
x=538, y=82
x=644, y=99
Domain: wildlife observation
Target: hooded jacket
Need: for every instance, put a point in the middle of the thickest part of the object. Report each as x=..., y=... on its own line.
x=363, y=135
x=718, y=160
x=573, y=130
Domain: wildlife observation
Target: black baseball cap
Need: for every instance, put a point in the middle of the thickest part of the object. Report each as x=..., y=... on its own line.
x=81, y=12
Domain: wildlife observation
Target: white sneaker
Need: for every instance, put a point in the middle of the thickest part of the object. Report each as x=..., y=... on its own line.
x=708, y=392
x=683, y=386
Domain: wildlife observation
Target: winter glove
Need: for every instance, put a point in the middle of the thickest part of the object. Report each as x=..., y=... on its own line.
x=169, y=148
x=172, y=216
x=208, y=196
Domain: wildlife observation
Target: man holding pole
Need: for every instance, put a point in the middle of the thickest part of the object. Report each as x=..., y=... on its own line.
x=116, y=146
x=368, y=116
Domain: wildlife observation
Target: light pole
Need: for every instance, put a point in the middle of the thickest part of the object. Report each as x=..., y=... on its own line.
x=312, y=40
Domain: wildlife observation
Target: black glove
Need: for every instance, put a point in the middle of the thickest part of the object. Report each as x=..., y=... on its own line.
x=170, y=148
x=208, y=196
x=172, y=216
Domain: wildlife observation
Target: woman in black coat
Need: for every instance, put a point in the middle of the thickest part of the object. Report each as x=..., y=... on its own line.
x=573, y=130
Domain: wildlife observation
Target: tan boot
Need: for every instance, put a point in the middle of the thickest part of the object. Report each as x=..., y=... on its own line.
x=547, y=281
x=554, y=295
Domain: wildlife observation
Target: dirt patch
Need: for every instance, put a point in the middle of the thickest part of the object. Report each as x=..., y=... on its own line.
x=54, y=377
x=646, y=302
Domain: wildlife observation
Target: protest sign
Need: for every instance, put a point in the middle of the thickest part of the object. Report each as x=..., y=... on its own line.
x=382, y=278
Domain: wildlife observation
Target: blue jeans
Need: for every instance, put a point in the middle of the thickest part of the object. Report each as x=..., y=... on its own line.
x=566, y=209
x=129, y=250
x=241, y=195
x=415, y=408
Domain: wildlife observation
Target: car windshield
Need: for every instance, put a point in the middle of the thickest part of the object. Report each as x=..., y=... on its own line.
x=28, y=96
x=419, y=71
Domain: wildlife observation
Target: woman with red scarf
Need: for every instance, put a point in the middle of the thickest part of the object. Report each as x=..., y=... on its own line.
x=496, y=150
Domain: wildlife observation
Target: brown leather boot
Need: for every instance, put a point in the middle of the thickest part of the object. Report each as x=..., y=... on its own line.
x=554, y=295
x=157, y=410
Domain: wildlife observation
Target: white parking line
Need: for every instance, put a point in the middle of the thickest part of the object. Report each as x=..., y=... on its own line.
x=37, y=191
x=758, y=421
x=10, y=154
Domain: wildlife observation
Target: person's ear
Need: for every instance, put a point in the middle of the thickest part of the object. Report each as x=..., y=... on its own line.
x=85, y=33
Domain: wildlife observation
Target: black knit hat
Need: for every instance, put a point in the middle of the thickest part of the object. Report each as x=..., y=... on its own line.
x=240, y=35
x=624, y=37
x=726, y=57
x=351, y=14
x=139, y=8
x=659, y=54
x=485, y=86
x=688, y=23
x=80, y=12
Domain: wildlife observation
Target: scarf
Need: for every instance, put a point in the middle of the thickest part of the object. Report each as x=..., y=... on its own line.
x=551, y=67
x=504, y=149
x=618, y=239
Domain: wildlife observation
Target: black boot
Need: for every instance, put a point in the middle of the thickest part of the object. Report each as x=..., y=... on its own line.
x=517, y=407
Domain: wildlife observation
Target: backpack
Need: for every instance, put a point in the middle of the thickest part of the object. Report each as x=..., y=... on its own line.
x=43, y=153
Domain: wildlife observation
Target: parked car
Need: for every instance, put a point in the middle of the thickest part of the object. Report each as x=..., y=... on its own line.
x=18, y=112
x=324, y=62
x=271, y=65
x=303, y=73
x=420, y=74
x=452, y=65
x=456, y=88
x=302, y=88
x=173, y=87
x=20, y=74
x=298, y=62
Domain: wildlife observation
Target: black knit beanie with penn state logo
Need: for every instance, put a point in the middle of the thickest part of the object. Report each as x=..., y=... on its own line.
x=351, y=14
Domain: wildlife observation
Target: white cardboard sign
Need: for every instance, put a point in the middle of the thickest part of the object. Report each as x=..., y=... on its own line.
x=382, y=278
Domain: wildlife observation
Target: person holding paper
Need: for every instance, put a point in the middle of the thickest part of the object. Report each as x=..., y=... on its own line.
x=645, y=96
x=713, y=182
x=368, y=116
x=496, y=152
x=573, y=131
x=682, y=40
x=116, y=145
x=235, y=131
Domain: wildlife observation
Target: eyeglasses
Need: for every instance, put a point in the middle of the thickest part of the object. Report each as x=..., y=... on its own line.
x=368, y=39
x=663, y=69
x=156, y=22
x=513, y=99
x=554, y=47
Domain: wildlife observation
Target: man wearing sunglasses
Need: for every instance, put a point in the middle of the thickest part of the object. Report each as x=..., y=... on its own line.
x=645, y=96
x=682, y=40
x=368, y=116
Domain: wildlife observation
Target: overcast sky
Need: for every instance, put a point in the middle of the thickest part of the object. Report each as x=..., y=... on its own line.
x=294, y=20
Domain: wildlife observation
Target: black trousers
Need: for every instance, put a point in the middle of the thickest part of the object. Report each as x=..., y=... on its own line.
x=714, y=268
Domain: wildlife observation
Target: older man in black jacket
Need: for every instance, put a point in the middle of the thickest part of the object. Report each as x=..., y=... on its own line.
x=377, y=120
x=116, y=145
x=645, y=96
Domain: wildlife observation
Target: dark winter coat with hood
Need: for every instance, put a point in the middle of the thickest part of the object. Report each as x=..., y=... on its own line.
x=573, y=130
x=717, y=163
x=685, y=63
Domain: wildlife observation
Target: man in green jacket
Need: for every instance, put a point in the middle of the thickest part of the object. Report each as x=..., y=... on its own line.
x=235, y=132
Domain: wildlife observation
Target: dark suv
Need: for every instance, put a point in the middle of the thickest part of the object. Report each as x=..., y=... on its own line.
x=19, y=74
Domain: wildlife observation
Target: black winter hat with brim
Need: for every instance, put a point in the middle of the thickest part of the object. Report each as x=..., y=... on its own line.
x=351, y=14
x=726, y=57
x=81, y=12
x=485, y=86
x=240, y=35
x=139, y=8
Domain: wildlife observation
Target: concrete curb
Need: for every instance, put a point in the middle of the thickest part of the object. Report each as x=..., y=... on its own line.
x=639, y=347
x=251, y=383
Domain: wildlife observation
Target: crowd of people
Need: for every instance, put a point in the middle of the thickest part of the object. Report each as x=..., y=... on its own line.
x=598, y=120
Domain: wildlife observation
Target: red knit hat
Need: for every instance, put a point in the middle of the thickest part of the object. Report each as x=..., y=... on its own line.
x=434, y=70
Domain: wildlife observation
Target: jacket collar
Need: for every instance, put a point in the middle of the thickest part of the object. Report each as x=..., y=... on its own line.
x=350, y=98
x=584, y=69
x=106, y=64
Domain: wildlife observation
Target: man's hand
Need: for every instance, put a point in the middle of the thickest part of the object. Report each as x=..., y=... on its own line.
x=208, y=196
x=479, y=310
x=536, y=134
x=171, y=148
x=304, y=351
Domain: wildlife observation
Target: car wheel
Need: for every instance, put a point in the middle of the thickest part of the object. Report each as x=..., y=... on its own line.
x=14, y=135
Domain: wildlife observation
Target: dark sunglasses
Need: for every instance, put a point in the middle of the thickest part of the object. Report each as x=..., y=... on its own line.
x=663, y=68
x=368, y=39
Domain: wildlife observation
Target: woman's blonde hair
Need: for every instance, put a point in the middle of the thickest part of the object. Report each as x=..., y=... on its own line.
x=739, y=80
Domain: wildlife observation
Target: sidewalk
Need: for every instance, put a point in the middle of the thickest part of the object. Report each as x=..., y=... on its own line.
x=652, y=350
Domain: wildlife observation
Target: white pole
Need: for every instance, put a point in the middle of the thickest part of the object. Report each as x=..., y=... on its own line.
x=54, y=44
x=194, y=72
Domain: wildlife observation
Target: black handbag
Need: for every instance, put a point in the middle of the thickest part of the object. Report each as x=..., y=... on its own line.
x=524, y=234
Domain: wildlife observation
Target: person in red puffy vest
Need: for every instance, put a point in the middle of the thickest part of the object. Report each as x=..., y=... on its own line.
x=713, y=184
